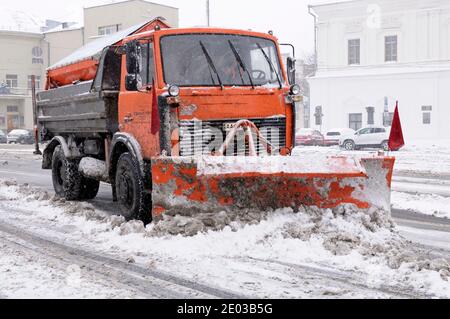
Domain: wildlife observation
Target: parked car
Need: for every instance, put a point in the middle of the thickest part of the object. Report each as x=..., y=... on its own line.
x=333, y=137
x=309, y=137
x=20, y=137
x=3, y=138
x=368, y=137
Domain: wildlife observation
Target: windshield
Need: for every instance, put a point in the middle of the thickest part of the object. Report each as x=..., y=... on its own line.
x=220, y=59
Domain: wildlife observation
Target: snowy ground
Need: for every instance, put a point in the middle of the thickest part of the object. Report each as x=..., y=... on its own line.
x=50, y=248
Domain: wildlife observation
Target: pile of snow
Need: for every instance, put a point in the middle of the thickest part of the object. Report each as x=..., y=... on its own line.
x=364, y=244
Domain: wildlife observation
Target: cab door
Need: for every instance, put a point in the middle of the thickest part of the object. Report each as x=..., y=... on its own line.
x=135, y=106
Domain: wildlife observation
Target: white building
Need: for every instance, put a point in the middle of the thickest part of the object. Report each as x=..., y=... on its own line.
x=372, y=53
x=23, y=53
x=30, y=45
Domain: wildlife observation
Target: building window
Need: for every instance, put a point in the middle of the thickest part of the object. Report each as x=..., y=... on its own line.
x=11, y=81
x=391, y=48
x=370, y=115
x=16, y=121
x=426, y=115
x=109, y=29
x=354, y=51
x=37, y=53
x=318, y=115
x=37, y=81
x=426, y=118
x=355, y=121
x=12, y=109
x=388, y=118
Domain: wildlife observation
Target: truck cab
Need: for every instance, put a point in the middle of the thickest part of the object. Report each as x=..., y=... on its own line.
x=212, y=78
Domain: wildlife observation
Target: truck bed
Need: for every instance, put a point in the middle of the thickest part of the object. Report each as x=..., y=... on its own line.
x=77, y=109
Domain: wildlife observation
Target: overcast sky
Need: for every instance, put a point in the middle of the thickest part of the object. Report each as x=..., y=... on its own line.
x=289, y=19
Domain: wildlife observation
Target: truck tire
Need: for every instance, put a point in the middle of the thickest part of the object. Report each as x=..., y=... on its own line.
x=67, y=181
x=89, y=188
x=131, y=196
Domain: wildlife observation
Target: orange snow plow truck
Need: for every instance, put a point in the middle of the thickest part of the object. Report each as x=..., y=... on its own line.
x=191, y=121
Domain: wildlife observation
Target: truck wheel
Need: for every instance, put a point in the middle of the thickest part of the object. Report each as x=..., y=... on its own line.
x=89, y=188
x=130, y=190
x=66, y=178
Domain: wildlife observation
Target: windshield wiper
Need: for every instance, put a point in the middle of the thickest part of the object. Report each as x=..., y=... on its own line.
x=241, y=62
x=272, y=67
x=211, y=63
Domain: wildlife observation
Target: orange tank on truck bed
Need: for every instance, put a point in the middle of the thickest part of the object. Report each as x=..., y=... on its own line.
x=192, y=121
x=82, y=65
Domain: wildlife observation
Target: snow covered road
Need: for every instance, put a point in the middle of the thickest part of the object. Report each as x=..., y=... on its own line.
x=97, y=275
x=50, y=242
x=176, y=267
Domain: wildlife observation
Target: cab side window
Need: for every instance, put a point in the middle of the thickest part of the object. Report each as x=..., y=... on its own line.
x=148, y=63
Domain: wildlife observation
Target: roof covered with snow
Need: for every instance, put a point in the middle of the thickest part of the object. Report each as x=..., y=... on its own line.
x=94, y=48
x=69, y=27
x=20, y=21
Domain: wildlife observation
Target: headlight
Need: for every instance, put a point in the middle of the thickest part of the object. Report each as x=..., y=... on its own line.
x=295, y=89
x=174, y=90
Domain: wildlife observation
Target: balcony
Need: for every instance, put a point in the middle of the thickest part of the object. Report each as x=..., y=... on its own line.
x=15, y=93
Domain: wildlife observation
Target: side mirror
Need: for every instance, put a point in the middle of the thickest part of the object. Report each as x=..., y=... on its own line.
x=133, y=51
x=291, y=70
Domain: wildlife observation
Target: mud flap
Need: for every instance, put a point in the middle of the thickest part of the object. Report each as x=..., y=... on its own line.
x=193, y=185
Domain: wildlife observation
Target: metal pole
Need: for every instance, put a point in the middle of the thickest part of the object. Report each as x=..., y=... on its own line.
x=36, y=131
x=316, y=29
x=208, y=17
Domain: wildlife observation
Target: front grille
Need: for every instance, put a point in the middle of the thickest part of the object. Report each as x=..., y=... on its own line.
x=205, y=137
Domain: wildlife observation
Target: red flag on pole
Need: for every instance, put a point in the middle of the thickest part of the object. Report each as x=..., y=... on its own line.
x=396, y=140
x=156, y=121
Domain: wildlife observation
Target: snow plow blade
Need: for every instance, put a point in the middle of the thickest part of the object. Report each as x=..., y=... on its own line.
x=194, y=185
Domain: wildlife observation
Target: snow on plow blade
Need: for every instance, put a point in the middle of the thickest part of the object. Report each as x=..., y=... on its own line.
x=195, y=185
